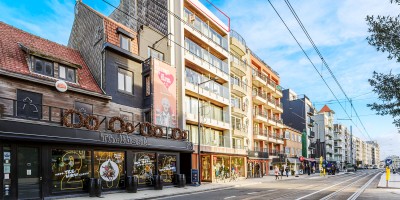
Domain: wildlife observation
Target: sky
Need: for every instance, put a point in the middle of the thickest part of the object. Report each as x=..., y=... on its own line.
x=338, y=28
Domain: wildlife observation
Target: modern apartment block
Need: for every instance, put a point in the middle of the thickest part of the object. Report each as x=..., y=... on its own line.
x=349, y=148
x=267, y=110
x=204, y=77
x=359, y=151
x=324, y=129
x=375, y=151
x=298, y=112
x=339, y=145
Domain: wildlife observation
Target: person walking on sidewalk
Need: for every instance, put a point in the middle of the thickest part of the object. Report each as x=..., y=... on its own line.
x=287, y=171
x=282, y=170
x=276, y=173
x=308, y=169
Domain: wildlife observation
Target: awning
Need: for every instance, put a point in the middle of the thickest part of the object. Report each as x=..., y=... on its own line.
x=293, y=160
x=310, y=159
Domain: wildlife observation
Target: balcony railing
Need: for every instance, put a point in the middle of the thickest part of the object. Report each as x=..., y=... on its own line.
x=312, y=134
x=273, y=152
x=241, y=84
x=258, y=154
x=253, y=54
x=236, y=35
x=201, y=26
x=203, y=54
x=258, y=74
x=194, y=78
x=260, y=132
x=261, y=113
x=259, y=94
x=48, y=115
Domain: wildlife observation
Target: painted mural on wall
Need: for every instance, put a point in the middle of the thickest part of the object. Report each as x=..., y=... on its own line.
x=164, y=104
x=167, y=166
x=110, y=167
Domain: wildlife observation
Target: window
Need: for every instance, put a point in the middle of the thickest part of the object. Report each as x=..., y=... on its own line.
x=144, y=167
x=125, y=81
x=67, y=73
x=29, y=104
x=155, y=54
x=43, y=66
x=69, y=169
x=110, y=168
x=125, y=42
x=84, y=108
x=148, y=86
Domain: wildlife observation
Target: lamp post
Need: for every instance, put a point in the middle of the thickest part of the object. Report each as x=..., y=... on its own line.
x=198, y=125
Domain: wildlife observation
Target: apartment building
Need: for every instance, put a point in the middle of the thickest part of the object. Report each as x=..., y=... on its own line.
x=349, y=152
x=339, y=154
x=375, y=151
x=359, y=151
x=297, y=113
x=292, y=142
x=324, y=147
x=267, y=109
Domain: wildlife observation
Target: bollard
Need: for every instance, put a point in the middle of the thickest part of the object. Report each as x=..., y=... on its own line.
x=158, y=182
x=129, y=184
x=175, y=180
x=181, y=180
x=98, y=187
x=92, y=187
x=135, y=184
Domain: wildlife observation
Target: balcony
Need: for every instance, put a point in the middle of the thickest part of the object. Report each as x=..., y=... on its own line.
x=260, y=135
x=278, y=91
x=279, y=106
x=200, y=29
x=260, y=116
x=278, y=122
x=271, y=86
x=311, y=112
x=210, y=122
x=238, y=88
x=238, y=110
x=259, y=79
x=259, y=98
x=270, y=103
x=239, y=132
x=238, y=44
x=311, y=123
x=275, y=138
x=312, y=134
x=329, y=142
x=338, y=144
x=238, y=67
x=337, y=138
x=196, y=55
x=273, y=152
x=206, y=92
x=257, y=154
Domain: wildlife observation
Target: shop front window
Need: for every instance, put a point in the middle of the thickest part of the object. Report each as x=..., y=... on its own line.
x=69, y=169
x=205, y=168
x=238, y=166
x=221, y=166
x=167, y=167
x=144, y=167
x=109, y=167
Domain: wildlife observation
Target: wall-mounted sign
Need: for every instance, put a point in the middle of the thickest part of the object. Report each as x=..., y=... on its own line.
x=124, y=139
x=7, y=155
x=61, y=86
x=109, y=171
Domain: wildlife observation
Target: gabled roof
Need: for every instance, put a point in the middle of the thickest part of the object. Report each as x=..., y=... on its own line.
x=325, y=109
x=15, y=45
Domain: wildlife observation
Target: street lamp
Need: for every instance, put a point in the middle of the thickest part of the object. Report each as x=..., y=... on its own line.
x=198, y=125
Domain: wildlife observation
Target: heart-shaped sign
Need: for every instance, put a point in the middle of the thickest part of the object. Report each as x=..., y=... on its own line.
x=166, y=79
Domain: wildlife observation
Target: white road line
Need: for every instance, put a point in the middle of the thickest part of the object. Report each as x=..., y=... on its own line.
x=270, y=190
x=328, y=187
x=230, y=197
x=252, y=192
x=343, y=188
x=361, y=190
x=199, y=192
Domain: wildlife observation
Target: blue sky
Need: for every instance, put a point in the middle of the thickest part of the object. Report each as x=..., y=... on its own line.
x=338, y=28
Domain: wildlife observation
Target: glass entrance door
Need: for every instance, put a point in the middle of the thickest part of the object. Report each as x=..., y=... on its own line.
x=28, y=173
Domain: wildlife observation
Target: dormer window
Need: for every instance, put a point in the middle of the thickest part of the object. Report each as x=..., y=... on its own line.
x=125, y=42
x=43, y=66
x=67, y=73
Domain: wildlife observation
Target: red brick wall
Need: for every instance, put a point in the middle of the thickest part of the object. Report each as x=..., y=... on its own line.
x=112, y=36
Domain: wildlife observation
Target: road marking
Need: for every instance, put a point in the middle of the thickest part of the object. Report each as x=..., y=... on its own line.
x=199, y=192
x=327, y=188
x=252, y=192
x=343, y=188
x=230, y=197
x=361, y=190
x=270, y=190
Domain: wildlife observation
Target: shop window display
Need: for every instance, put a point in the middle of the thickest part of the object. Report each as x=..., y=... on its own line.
x=69, y=169
x=237, y=166
x=109, y=166
x=221, y=166
x=144, y=167
x=206, y=167
x=167, y=167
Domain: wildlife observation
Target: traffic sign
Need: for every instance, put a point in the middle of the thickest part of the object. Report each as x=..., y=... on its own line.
x=388, y=161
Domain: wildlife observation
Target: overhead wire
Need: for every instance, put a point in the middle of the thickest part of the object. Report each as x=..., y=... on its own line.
x=324, y=62
x=312, y=63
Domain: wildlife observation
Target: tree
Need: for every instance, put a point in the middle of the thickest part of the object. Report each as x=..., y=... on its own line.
x=385, y=36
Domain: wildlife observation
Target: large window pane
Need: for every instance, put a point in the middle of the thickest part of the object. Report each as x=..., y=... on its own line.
x=167, y=167
x=110, y=167
x=144, y=167
x=121, y=85
x=128, y=82
x=69, y=169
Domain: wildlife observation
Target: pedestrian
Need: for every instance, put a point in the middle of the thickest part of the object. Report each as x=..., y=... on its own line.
x=308, y=169
x=333, y=169
x=282, y=171
x=276, y=173
x=287, y=171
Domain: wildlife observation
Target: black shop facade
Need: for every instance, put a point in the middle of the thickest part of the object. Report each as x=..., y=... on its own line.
x=42, y=160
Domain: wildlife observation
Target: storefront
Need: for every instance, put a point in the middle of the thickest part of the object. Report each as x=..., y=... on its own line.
x=216, y=167
x=57, y=160
x=257, y=164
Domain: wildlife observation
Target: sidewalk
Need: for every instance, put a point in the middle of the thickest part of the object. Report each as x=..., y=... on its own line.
x=171, y=190
x=394, y=181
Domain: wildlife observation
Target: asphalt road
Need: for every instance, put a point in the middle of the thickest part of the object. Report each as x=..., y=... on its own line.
x=344, y=186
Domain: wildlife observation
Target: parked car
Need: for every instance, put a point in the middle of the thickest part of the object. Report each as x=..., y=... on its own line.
x=350, y=168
